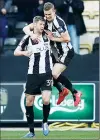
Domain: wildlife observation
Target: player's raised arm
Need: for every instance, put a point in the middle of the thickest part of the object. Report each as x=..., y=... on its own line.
x=28, y=29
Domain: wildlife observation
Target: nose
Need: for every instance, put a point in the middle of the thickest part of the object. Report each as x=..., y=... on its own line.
x=47, y=16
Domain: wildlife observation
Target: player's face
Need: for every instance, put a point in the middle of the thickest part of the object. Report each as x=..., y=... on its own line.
x=40, y=26
x=49, y=15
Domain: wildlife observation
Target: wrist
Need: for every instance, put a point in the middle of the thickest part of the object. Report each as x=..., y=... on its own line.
x=22, y=52
x=52, y=38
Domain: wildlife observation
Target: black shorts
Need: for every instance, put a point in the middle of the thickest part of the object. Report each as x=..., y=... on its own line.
x=67, y=58
x=38, y=82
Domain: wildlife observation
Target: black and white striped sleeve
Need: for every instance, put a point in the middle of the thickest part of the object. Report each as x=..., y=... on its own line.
x=60, y=25
x=22, y=46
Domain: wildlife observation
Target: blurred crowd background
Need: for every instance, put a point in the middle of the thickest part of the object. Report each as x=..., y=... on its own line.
x=15, y=14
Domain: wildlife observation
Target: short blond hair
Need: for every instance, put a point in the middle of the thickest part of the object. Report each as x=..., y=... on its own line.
x=38, y=18
x=48, y=6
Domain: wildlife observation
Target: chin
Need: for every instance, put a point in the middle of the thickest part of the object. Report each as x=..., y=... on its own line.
x=40, y=32
x=49, y=20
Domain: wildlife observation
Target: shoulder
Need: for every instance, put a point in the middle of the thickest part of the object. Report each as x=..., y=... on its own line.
x=60, y=24
x=25, y=36
x=60, y=21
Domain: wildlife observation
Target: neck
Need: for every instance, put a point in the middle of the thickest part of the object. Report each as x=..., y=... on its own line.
x=37, y=33
x=54, y=16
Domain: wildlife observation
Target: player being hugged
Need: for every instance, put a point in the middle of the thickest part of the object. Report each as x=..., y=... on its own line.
x=39, y=78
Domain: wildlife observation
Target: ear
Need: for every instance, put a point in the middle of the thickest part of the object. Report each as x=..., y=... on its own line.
x=34, y=24
x=55, y=10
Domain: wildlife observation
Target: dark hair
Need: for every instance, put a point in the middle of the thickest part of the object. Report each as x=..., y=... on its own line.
x=48, y=6
x=38, y=18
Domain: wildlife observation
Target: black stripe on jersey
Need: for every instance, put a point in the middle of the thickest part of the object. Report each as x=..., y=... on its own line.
x=47, y=61
x=46, y=25
x=36, y=63
x=24, y=43
x=45, y=39
x=52, y=42
x=59, y=48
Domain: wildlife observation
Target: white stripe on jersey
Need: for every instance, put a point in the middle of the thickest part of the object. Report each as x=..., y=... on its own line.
x=51, y=63
x=31, y=63
x=42, y=62
x=63, y=57
x=41, y=48
x=65, y=48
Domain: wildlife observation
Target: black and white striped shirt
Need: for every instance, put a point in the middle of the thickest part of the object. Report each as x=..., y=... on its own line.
x=40, y=61
x=58, y=26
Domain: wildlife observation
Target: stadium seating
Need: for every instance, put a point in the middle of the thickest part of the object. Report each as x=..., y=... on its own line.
x=10, y=44
x=92, y=25
x=19, y=26
x=86, y=42
x=1, y=45
x=96, y=44
x=13, y=9
x=91, y=9
x=91, y=19
x=12, y=18
x=91, y=15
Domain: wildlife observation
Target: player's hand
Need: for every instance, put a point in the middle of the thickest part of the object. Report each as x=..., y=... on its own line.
x=49, y=34
x=27, y=53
